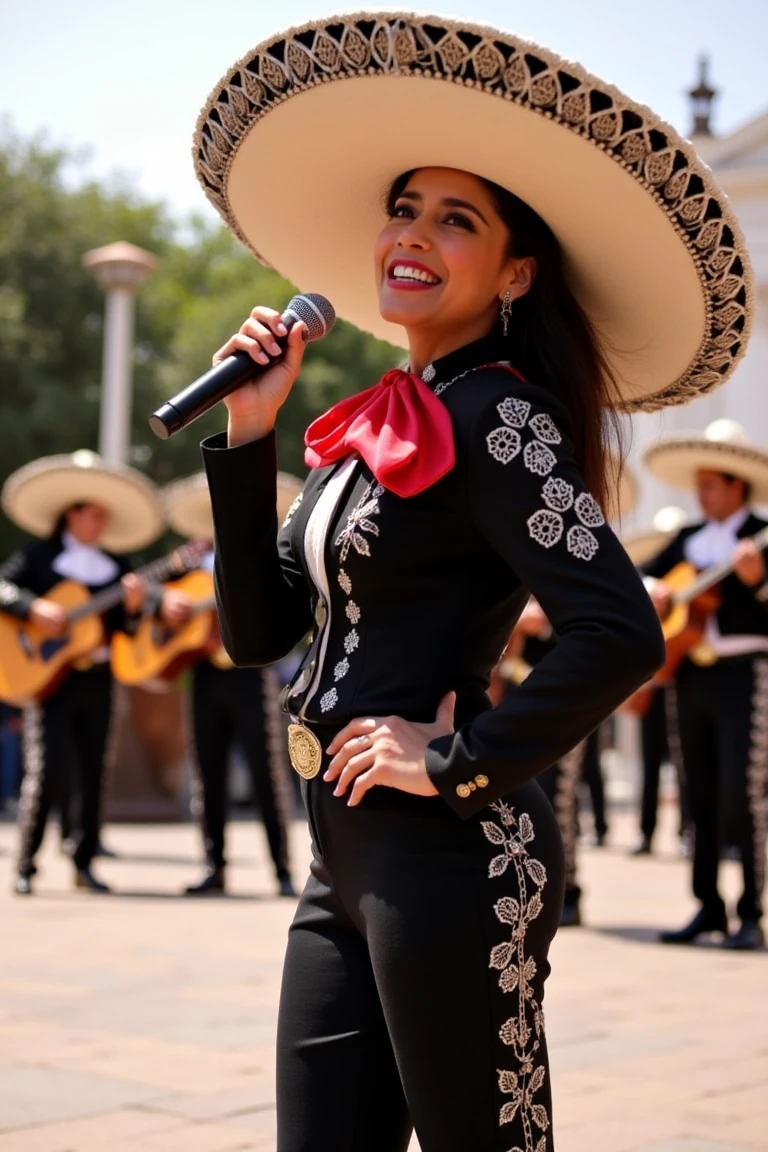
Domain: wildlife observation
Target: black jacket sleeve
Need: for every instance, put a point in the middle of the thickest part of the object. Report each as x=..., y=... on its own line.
x=529, y=503
x=262, y=595
x=14, y=597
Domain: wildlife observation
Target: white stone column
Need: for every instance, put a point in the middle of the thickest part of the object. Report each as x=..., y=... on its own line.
x=121, y=269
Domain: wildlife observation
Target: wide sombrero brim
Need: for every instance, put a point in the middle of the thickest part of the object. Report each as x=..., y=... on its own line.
x=643, y=546
x=188, y=503
x=653, y=251
x=35, y=496
x=677, y=459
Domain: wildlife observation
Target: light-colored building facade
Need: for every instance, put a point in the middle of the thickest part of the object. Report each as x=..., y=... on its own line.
x=739, y=161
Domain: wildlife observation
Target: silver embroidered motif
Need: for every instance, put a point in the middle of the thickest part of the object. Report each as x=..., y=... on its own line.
x=344, y=581
x=581, y=542
x=557, y=494
x=504, y=444
x=514, y=412
x=341, y=669
x=329, y=700
x=589, y=511
x=523, y=1031
x=546, y=527
x=291, y=511
x=539, y=458
x=352, y=612
x=543, y=426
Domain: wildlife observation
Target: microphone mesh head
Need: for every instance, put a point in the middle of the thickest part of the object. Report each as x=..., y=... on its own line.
x=316, y=312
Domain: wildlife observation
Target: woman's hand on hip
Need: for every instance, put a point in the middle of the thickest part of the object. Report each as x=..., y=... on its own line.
x=254, y=406
x=390, y=752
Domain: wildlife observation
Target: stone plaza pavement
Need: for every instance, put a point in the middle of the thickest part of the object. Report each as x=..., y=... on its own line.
x=145, y=1021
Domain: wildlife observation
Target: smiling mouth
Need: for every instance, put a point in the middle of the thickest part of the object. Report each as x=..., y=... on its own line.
x=411, y=275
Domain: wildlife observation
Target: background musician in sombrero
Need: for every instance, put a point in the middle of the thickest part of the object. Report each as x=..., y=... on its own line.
x=722, y=688
x=657, y=706
x=231, y=705
x=445, y=212
x=88, y=514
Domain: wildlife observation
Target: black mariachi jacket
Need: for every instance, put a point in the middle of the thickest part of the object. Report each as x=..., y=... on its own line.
x=29, y=573
x=410, y=598
x=741, y=613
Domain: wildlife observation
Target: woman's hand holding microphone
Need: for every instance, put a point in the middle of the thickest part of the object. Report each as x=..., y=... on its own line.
x=253, y=407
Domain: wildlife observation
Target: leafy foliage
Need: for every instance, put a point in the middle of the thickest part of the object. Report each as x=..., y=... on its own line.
x=52, y=309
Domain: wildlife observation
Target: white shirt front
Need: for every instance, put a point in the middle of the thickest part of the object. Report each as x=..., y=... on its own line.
x=714, y=544
x=84, y=563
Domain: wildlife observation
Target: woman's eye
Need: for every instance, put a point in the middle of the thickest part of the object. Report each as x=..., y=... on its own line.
x=403, y=211
x=462, y=221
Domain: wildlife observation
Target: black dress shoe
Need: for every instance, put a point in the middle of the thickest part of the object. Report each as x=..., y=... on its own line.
x=749, y=937
x=106, y=853
x=570, y=916
x=706, y=920
x=211, y=883
x=642, y=849
x=285, y=887
x=23, y=886
x=84, y=878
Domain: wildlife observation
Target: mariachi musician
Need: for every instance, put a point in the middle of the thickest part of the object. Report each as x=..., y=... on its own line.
x=88, y=513
x=722, y=686
x=656, y=707
x=231, y=705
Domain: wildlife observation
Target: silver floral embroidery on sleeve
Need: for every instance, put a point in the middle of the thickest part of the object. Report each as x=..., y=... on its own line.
x=329, y=700
x=504, y=444
x=581, y=542
x=547, y=525
x=514, y=412
x=543, y=426
x=589, y=511
x=558, y=494
x=539, y=458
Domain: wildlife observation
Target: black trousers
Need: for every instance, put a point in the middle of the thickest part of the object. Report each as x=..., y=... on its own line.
x=65, y=740
x=414, y=977
x=660, y=741
x=240, y=705
x=723, y=713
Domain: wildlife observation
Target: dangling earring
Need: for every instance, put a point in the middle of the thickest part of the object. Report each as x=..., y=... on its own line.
x=506, y=311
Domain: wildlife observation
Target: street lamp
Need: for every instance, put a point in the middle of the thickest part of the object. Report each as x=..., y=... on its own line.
x=120, y=269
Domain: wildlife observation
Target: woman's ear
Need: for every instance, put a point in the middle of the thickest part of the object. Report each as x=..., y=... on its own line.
x=523, y=274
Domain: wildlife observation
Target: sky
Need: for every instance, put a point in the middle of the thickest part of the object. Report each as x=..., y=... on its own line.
x=126, y=80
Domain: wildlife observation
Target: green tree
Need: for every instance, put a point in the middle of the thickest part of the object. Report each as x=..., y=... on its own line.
x=51, y=319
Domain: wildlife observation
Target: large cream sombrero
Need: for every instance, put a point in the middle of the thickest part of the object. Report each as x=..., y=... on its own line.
x=723, y=446
x=625, y=496
x=643, y=545
x=35, y=496
x=653, y=250
x=188, y=504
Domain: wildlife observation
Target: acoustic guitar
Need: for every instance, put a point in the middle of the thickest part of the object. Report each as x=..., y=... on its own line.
x=32, y=665
x=694, y=598
x=156, y=650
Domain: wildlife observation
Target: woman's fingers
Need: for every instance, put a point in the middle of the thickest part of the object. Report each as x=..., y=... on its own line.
x=361, y=785
x=362, y=762
x=363, y=726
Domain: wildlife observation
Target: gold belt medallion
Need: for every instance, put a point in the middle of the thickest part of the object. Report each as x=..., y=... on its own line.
x=305, y=751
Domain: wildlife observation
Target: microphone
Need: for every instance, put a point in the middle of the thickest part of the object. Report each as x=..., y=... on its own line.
x=226, y=377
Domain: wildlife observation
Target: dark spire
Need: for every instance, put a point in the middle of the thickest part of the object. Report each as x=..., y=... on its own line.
x=702, y=97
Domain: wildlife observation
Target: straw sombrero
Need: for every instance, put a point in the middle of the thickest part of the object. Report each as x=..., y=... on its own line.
x=723, y=446
x=643, y=545
x=35, y=496
x=653, y=250
x=188, y=504
x=622, y=499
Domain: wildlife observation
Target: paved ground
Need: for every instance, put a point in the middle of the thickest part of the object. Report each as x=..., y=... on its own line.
x=145, y=1022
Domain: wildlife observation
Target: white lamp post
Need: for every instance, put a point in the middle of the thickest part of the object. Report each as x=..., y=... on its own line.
x=120, y=269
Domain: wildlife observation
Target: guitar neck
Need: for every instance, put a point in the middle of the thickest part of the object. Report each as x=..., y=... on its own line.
x=714, y=575
x=109, y=597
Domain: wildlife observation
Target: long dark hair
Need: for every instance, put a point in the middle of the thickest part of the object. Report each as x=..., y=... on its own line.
x=552, y=343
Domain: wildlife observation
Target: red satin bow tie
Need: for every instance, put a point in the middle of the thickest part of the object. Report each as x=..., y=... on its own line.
x=399, y=428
